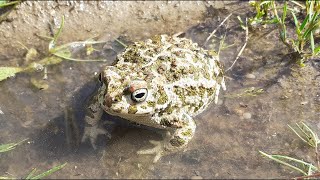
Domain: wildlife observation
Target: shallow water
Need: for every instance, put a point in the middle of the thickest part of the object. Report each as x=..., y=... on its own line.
x=227, y=139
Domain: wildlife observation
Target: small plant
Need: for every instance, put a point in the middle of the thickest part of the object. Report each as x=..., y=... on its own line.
x=306, y=134
x=262, y=8
x=41, y=175
x=46, y=173
x=11, y=146
x=56, y=54
x=6, y=7
x=303, y=43
x=281, y=14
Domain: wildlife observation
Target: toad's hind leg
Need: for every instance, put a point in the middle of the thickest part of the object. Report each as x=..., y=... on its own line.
x=174, y=140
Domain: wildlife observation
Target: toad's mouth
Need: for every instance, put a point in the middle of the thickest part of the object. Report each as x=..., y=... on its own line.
x=124, y=112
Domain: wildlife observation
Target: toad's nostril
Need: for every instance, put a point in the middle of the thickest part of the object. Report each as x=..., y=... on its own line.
x=108, y=100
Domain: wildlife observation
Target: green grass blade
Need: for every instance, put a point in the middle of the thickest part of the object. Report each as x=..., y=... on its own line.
x=55, y=37
x=298, y=134
x=303, y=131
x=296, y=22
x=311, y=170
x=314, y=136
x=311, y=137
x=10, y=146
x=283, y=33
x=314, y=17
x=303, y=24
x=314, y=24
x=317, y=50
x=275, y=10
x=31, y=173
x=308, y=32
x=47, y=173
x=276, y=158
x=6, y=147
x=309, y=165
x=284, y=14
x=5, y=3
x=306, y=134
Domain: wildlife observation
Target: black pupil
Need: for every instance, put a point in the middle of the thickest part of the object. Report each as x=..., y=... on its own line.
x=140, y=95
x=100, y=77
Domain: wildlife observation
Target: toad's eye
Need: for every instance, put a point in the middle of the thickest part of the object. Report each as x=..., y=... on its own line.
x=139, y=95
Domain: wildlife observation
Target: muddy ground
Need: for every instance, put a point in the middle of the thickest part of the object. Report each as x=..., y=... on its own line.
x=228, y=136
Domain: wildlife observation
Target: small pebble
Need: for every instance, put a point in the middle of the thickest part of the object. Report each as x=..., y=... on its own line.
x=304, y=102
x=250, y=76
x=246, y=115
x=283, y=97
x=238, y=111
x=243, y=105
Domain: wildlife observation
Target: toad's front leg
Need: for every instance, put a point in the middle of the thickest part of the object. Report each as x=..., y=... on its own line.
x=92, y=119
x=182, y=133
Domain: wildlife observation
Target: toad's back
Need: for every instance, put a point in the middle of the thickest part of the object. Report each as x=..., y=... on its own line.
x=180, y=75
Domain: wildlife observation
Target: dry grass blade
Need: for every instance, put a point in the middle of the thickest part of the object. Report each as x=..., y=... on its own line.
x=306, y=134
x=243, y=47
x=214, y=31
x=302, y=167
x=122, y=44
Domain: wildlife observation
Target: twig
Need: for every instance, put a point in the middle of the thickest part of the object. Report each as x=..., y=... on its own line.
x=210, y=36
x=317, y=157
x=309, y=176
x=241, y=50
